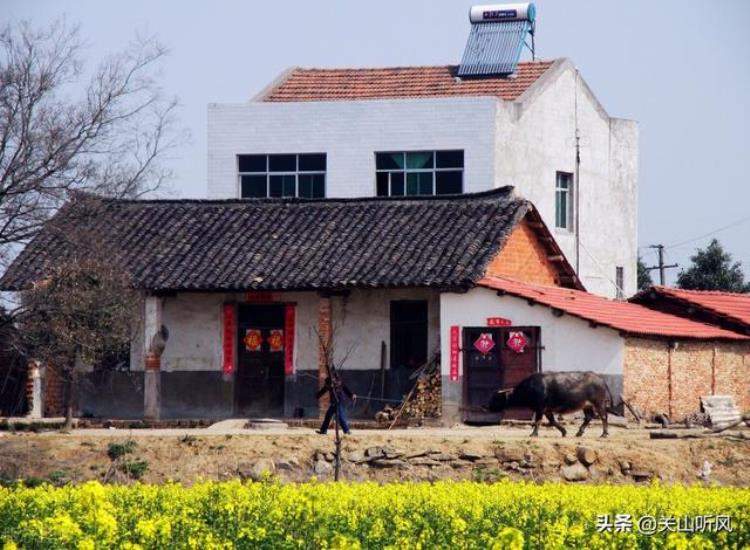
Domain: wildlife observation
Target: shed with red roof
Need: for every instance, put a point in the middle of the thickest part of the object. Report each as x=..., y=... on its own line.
x=730, y=310
x=661, y=363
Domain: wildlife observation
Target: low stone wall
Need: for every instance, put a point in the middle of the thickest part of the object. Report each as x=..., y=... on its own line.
x=660, y=377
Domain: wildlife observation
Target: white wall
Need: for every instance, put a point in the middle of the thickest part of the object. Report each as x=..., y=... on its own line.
x=361, y=320
x=570, y=344
x=537, y=138
x=522, y=143
x=350, y=132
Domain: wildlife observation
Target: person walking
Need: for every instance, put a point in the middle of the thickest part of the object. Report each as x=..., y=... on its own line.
x=337, y=392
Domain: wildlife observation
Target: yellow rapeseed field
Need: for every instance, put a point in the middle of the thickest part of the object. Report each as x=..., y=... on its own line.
x=367, y=515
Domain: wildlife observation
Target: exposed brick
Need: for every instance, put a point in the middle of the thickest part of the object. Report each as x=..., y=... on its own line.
x=325, y=334
x=54, y=399
x=697, y=369
x=523, y=258
x=645, y=381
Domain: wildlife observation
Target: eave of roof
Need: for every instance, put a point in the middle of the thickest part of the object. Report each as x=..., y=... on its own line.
x=441, y=242
x=622, y=316
x=732, y=306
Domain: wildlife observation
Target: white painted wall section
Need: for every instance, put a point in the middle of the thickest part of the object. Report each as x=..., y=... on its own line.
x=350, y=133
x=570, y=344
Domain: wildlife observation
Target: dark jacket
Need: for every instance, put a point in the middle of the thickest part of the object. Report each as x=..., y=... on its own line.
x=336, y=389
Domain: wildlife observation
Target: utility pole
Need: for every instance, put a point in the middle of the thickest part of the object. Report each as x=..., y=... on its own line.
x=661, y=267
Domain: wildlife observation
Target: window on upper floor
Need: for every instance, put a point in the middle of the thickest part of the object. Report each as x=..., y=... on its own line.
x=288, y=175
x=620, y=281
x=419, y=173
x=564, y=201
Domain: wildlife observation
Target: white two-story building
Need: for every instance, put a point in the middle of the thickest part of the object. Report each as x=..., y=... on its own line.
x=423, y=131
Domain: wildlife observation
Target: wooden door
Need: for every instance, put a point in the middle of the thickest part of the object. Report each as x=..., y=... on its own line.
x=519, y=363
x=259, y=382
x=490, y=364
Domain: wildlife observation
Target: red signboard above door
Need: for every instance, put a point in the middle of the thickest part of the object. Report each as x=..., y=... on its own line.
x=498, y=322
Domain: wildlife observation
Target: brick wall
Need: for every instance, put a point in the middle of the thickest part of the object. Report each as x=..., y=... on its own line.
x=697, y=369
x=691, y=376
x=523, y=258
x=54, y=398
x=325, y=335
x=733, y=373
x=645, y=381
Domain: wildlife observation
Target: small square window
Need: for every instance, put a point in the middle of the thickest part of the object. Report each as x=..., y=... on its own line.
x=254, y=187
x=389, y=161
x=311, y=186
x=252, y=163
x=312, y=163
x=419, y=161
x=449, y=159
x=448, y=182
x=282, y=163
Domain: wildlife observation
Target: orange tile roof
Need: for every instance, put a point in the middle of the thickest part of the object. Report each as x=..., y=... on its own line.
x=400, y=82
x=619, y=315
x=731, y=305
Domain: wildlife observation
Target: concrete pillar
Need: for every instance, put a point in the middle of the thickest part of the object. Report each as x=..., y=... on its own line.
x=34, y=391
x=152, y=323
x=325, y=342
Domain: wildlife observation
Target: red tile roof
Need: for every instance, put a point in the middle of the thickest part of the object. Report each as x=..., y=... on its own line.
x=400, y=82
x=731, y=305
x=619, y=315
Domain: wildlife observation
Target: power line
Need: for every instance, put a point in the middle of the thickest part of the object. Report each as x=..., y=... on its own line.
x=728, y=226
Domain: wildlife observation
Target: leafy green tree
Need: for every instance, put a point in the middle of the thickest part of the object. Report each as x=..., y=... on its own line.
x=712, y=268
x=644, y=275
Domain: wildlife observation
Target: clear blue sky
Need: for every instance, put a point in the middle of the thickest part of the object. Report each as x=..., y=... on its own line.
x=681, y=68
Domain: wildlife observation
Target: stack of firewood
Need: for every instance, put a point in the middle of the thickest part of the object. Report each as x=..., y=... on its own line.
x=426, y=400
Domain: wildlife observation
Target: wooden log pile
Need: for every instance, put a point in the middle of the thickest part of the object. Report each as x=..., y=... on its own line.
x=423, y=401
x=427, y=399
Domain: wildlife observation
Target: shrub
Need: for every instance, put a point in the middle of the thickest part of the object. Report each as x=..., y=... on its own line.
x=134, y=468
x=117, y=450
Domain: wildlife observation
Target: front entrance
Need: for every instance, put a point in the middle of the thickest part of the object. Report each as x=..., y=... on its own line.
x=497, y=358
x=259, y=382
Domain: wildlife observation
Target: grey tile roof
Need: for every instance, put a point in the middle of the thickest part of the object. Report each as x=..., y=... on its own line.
x=283, y=244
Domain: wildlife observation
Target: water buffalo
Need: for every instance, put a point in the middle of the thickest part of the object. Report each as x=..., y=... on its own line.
x=550, y=393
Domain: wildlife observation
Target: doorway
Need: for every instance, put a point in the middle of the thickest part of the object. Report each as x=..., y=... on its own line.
x=408, y=343
x=259, y=381
x=497, y=358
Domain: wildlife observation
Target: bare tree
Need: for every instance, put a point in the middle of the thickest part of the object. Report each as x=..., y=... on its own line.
x=67, y=129
x=79, y=317
x=62, y=132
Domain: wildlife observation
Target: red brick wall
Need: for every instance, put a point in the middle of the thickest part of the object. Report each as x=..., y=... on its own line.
x=697, y=369
x=53, y=388
x=691, y=376
x=733, y=373
x=325, y=334
x=645, y=383
x=523, y=258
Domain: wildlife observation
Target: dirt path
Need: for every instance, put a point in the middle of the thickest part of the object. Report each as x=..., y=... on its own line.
x=295, y=454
